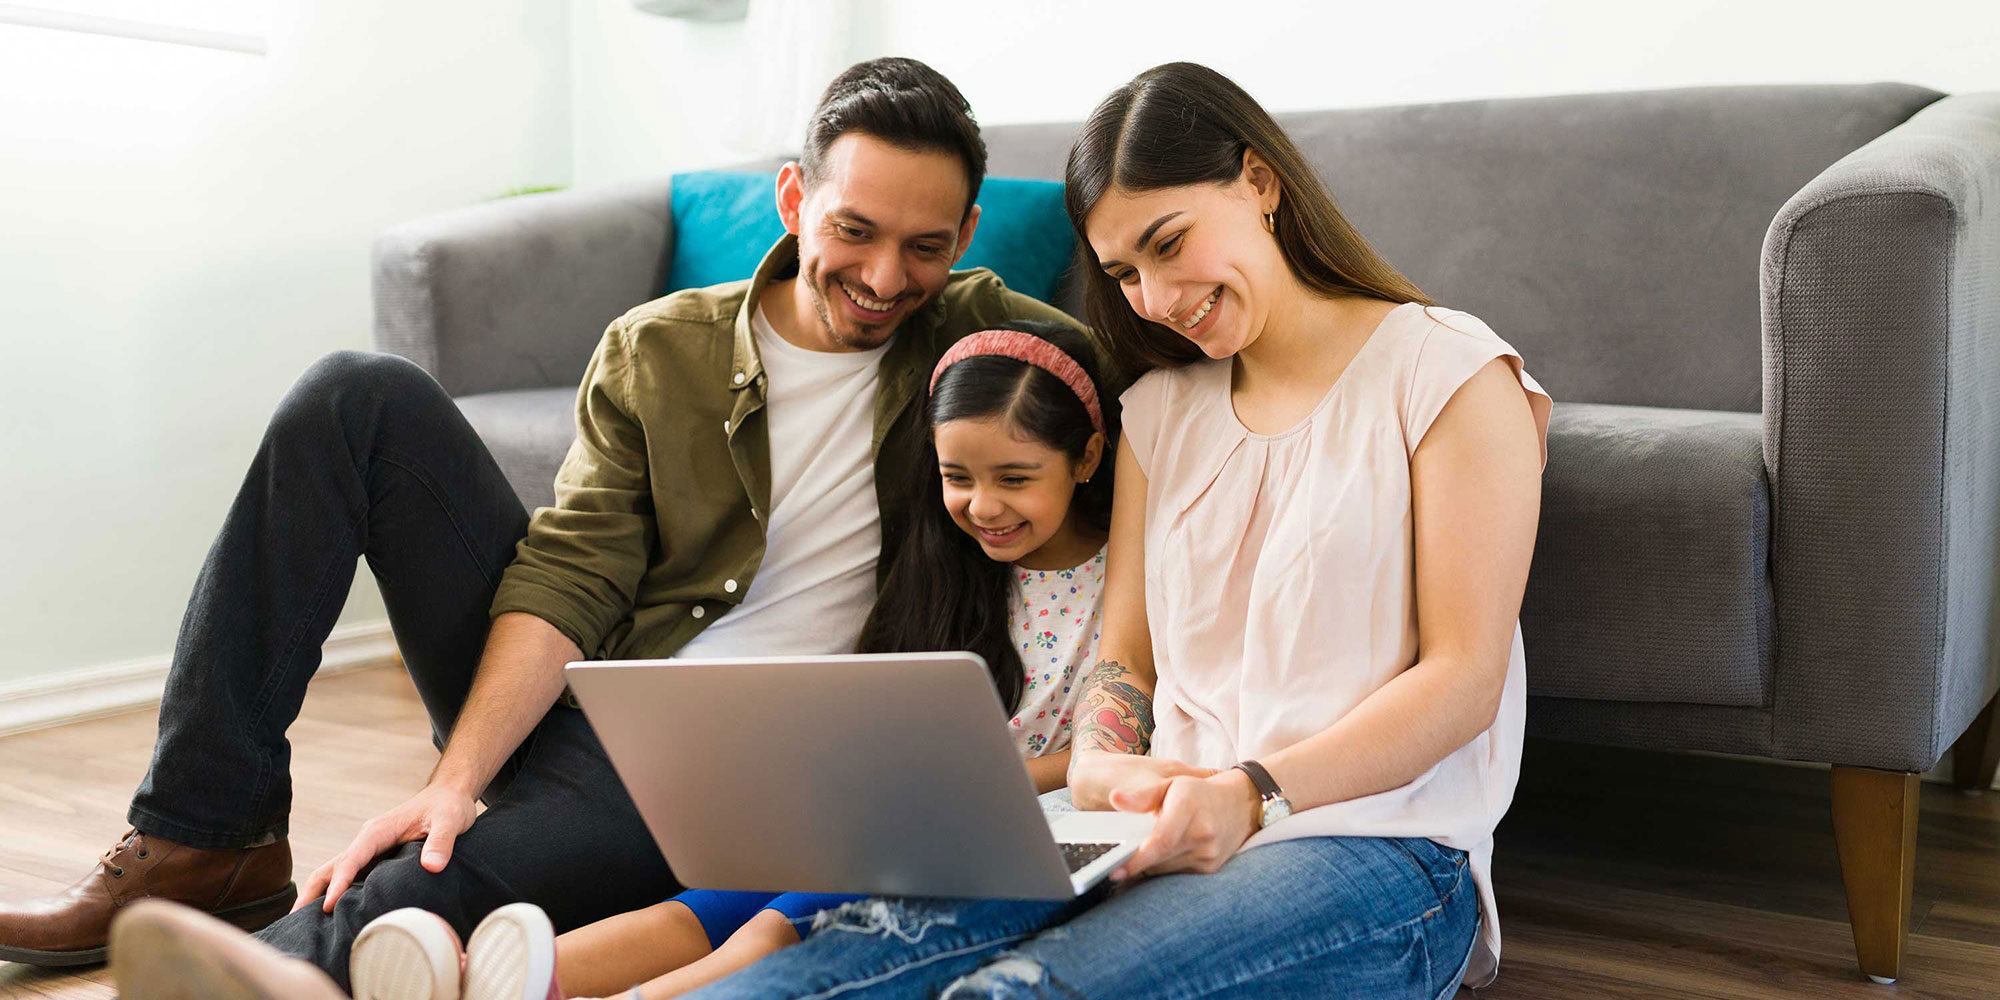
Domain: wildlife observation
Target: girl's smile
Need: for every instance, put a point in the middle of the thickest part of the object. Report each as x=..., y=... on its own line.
x=1012, y=493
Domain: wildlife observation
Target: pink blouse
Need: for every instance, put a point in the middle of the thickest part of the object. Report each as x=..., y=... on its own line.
x=1280, y=585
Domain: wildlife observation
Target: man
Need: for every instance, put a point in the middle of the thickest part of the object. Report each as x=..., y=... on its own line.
x=741, y=453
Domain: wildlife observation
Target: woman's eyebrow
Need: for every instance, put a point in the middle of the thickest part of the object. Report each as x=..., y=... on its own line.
x=1147, y=236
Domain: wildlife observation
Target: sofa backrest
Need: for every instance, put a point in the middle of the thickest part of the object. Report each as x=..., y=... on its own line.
x=1613, y=238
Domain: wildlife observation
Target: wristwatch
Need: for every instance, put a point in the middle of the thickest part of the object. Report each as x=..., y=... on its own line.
x=1275, y=806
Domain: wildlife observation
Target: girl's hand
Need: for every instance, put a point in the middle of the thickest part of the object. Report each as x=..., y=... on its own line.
x=1202, y=823
x=1095, y=775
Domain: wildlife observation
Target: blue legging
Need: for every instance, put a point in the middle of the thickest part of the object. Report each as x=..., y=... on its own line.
x=722, y=913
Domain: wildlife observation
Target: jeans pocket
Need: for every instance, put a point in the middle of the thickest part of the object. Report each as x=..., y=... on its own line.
x=1445, y=867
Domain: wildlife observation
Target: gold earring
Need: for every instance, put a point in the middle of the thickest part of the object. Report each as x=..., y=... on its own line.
x=1271, y=223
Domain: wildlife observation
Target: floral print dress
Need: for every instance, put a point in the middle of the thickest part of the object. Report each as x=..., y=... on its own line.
x=1055, y=619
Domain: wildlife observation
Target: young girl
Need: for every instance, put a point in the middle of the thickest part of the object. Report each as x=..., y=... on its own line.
x=1005, y=558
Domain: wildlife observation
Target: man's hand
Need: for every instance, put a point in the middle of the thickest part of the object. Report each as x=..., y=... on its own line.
x=437, y=815
x=1202, y=823
x=1095, y=775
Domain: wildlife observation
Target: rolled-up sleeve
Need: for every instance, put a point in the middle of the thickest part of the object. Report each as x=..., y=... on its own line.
x=580, y=565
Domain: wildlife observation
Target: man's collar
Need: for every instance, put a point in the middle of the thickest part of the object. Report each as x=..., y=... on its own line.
x=783, y=258
x=747, y=364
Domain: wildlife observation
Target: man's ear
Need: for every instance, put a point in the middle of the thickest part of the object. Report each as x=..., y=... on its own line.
x=1093, y=453
x=791, y=194
x=965, y=230
x=1263, y=181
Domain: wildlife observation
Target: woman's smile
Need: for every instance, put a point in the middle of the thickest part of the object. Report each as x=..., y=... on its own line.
x=1202, y=319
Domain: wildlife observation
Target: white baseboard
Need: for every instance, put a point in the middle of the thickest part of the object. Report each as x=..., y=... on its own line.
x=75, y=695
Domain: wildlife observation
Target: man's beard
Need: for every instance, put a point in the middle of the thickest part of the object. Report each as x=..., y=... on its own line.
x=871, y=336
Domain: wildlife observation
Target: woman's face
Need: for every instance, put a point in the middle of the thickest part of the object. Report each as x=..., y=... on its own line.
x=1195, y=258
x=1010, y=492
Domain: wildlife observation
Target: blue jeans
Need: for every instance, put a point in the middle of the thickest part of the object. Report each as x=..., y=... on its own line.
x=1316, y=917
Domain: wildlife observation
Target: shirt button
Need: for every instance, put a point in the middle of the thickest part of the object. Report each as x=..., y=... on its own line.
x=698, y=612
x=725, y=427
x=738, y=379
x=729, y=586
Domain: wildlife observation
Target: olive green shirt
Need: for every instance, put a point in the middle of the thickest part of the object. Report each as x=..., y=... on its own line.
x=662, y=497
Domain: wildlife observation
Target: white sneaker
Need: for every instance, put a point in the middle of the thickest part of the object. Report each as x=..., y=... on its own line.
x=406, y=954
x=512, y=956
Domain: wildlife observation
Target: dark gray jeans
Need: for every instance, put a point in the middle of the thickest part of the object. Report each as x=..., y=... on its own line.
x=367, y=457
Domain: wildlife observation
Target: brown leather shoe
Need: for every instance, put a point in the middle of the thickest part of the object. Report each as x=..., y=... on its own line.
x=164, y=951
x=248, y=887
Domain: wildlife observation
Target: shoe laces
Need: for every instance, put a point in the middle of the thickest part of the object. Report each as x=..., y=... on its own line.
x=132, y=841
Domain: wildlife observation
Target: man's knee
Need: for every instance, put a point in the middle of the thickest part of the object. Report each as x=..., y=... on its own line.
x=346, y=383
x=399, y=880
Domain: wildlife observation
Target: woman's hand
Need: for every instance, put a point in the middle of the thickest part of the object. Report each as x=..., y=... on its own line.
x=1202, y=823
x=1094, y=775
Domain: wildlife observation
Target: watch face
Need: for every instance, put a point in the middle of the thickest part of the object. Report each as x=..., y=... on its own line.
x=1276, y=808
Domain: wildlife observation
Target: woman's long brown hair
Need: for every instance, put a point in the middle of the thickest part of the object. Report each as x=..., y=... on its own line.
x=1182, y=123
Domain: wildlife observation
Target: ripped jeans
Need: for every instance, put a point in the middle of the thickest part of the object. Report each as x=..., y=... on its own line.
x=1316, y=917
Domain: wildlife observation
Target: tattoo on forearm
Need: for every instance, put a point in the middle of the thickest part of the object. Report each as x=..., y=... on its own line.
x=1116, y=715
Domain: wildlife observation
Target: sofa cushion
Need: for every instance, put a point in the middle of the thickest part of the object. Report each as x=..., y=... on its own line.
x=726, y=220
x=1650, y=579
x=528, y=431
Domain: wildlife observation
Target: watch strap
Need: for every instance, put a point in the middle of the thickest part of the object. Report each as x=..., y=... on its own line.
x=1261, y=779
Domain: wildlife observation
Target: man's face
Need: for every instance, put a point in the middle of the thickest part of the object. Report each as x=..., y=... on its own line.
x=878, y=234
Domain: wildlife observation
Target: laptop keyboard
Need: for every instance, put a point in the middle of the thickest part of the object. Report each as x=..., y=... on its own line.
x=1077, y=856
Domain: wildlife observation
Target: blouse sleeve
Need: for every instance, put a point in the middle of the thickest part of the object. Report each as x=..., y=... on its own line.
x=1139, y=409
x=1455, y=348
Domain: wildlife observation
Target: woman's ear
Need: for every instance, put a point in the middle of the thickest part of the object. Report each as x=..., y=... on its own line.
x=1263, y=181
x=1093, y=453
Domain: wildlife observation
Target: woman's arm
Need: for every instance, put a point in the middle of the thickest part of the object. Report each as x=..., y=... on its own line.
x=1475, y=494
x=1475, y=497
x=1114, y=716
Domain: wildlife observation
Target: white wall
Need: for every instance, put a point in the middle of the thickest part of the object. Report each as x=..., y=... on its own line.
x=182, y=231
x=1041, y=60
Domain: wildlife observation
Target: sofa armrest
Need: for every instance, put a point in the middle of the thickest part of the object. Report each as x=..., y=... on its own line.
x=1881, y=346
x=515, y=293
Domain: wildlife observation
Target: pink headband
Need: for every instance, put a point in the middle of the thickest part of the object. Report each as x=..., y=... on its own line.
x=1033, y=350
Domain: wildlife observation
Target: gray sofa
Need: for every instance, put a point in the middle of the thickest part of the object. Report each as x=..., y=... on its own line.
x=1770, y=318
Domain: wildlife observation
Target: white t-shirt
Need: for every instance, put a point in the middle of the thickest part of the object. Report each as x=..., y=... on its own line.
x=1054, y=619
x=823, y=533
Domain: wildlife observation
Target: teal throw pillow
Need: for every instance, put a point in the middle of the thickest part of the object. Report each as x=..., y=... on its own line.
x=725, y=221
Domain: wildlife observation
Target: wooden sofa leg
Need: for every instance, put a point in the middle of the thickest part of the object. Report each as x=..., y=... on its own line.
x=1875, y=830
x=1976, y=756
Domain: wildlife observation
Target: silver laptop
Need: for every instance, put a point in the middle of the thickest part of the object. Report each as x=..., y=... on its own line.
x=889, y=774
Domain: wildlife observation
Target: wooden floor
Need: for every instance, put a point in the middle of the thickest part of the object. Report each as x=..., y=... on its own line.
x=1621, y=874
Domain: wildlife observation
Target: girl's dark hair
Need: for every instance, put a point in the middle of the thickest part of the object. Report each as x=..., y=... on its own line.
x=1183, y=123
x=943, y=592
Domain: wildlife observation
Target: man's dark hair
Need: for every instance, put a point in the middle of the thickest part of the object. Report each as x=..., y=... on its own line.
x=901, y=102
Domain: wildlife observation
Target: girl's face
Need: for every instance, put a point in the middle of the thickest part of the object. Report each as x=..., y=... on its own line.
x=1197, y=258
x=1006, y=489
